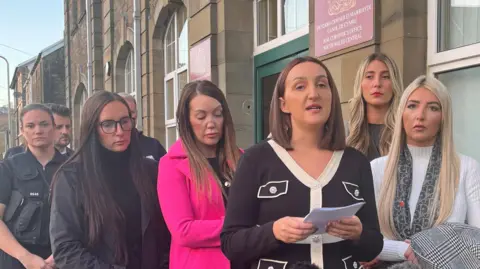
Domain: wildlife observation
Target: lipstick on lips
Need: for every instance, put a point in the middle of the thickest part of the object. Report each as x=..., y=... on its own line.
x=314, y=107
x=212, y=135
x=419, y=127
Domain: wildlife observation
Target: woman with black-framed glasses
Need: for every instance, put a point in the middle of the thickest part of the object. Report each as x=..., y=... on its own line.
x=105, y=211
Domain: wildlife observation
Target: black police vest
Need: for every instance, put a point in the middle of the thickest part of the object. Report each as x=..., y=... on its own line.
x=24, y=215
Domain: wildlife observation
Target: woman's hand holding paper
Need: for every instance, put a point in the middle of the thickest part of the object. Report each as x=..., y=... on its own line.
x=346, y=228
x=291, y=230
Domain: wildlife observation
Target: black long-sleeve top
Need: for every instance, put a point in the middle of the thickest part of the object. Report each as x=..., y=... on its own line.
x=270, y=185
x=126, y=196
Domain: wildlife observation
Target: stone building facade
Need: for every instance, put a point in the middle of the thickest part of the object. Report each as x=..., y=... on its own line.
x=39, y=80
x=243, y=45
x=169, y=30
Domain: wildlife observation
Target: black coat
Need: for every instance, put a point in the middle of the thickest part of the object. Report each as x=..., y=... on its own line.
x=68, y=233
x=19, y=149
x=13, y=151
x=151, y=147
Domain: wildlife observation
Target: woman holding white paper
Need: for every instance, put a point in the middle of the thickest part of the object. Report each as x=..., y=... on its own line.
x=305, y=165
x=423, y=182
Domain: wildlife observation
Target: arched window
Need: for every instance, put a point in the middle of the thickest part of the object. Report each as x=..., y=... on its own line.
x=176, y=69
x=78, y=103
x=129, y=74
x=83, y=98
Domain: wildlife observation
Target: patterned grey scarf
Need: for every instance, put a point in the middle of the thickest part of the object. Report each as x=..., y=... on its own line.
x=401, y=208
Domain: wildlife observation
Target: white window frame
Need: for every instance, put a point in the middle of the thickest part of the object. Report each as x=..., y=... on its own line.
x=83, y=99
x=130, y=89
x=438, y=62
x=173, y=75
x=281, y=38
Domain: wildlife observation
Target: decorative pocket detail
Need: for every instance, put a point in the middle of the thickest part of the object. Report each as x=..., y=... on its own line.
x=353, y=190
x=273, y=189
x=271, y=264
x=350, y=263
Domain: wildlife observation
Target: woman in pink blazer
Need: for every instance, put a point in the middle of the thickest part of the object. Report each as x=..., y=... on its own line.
x=195, y=175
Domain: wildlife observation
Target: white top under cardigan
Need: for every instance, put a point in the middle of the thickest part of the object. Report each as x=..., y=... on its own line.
x=467, y=200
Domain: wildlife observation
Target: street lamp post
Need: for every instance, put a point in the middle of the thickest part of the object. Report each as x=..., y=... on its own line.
x=9, y=131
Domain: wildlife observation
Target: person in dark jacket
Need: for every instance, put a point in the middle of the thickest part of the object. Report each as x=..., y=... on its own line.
x=24, y=191
x=63, y=131
x=105, y=212
x=63, y=128
x=14, y=150
x=151, y=147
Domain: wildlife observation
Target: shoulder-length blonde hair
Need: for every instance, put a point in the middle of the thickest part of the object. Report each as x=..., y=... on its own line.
x=227, y=151
x=280, y=122
x=447, y=183
x=359, y=137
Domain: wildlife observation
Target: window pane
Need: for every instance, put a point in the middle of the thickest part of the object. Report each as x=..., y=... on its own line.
x=295, y=14
x=170, y=47
x=171, y=135
x=129, y=73
x=463, y=86
x=266, y=20
x=182, y=81
x=169, y=90
x=459, y=23
x=182, y=37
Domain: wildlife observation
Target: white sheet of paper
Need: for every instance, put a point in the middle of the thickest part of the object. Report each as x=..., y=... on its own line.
x=320, y=217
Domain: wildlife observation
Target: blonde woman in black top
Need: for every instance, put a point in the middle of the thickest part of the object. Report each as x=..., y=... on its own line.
x=304, y=165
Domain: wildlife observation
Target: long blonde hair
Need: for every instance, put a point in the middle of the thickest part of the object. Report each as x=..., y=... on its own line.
x=227, y=150
x=447, y=182
x=358, y=137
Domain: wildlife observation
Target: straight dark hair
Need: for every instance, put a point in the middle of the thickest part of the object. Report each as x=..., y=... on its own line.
x=101, y=211
x=227, y=151
x=280, y=122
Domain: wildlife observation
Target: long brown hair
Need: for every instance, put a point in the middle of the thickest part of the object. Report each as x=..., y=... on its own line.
x=101, y=211
x=281, y=124
x=227, y=151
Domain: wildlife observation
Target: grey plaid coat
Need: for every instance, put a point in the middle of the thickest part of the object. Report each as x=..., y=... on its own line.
x=448, y=246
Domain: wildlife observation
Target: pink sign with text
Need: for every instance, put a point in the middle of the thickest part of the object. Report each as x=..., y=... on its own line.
x=340, y=24
x=201, y=61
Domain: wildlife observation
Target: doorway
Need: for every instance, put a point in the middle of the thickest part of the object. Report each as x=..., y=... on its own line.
x=268, y=85
x=268, y=66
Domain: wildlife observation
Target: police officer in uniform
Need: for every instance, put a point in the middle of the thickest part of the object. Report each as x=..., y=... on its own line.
x=24, y=194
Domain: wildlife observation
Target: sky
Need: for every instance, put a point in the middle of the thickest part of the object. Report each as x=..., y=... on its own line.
x=28, y=26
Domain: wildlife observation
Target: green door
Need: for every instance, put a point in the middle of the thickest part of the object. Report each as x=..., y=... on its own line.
x=267, y=69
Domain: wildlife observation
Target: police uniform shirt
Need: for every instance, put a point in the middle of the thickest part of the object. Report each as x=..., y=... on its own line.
x=7, y=185
x=270, y=185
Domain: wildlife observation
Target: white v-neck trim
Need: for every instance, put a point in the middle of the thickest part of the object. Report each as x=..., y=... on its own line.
x=316, y=196
x=301, y=174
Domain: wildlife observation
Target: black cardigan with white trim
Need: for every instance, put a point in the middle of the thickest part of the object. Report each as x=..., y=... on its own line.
x=269, y=185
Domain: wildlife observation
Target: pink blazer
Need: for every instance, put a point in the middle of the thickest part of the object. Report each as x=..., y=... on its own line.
x=194, y=223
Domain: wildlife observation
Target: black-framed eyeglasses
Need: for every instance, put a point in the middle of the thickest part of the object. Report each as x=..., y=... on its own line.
x=110, y=126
